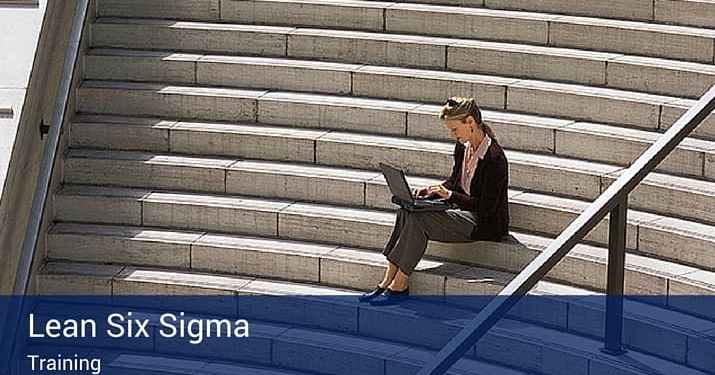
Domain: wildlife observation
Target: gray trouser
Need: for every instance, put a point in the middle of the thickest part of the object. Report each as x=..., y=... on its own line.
x=408, y=241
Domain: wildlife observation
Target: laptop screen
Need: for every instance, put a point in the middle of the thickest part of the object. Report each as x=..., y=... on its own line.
x=396, y=182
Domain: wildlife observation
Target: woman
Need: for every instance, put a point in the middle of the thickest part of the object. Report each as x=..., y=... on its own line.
x=478, y=187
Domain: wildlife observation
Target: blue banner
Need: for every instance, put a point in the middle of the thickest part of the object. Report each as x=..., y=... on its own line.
x=340, y=335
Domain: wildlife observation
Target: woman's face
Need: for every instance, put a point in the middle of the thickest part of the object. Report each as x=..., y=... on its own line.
x=458, y=130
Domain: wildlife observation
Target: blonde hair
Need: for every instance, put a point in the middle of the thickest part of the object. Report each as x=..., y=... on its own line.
x=459, y=108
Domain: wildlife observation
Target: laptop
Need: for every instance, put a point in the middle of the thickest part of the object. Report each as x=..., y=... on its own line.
x=402, y=194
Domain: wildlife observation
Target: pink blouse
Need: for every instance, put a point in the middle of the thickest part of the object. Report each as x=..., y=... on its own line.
x=470, y=161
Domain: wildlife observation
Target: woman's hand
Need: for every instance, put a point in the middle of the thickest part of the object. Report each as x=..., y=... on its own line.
x=439, y=190
x=426, y=192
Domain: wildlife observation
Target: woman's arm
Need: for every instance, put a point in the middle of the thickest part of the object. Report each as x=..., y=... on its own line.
x=450, y=183
x=493, y=194
x=495, y=179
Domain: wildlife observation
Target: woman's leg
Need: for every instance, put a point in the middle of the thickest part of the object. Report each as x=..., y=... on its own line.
x=390, y=273
x=419, y=227
x=391, y=268
x=399, y=282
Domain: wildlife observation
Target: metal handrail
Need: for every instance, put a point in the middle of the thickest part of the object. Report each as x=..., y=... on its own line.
x=32, y=231
x=614, y=198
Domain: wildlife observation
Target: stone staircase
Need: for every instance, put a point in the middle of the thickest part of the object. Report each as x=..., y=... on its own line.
x=230, y=147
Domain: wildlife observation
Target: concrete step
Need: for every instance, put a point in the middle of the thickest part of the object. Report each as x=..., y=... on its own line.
x=607, y=105
x=643, y=74
x=694, y=157
x=678, y=12
x=646, y=39
x=686, y=197
x=681, y=241
x=265, y=257
x=418, y=157
x=431, y=325
x=584, y=266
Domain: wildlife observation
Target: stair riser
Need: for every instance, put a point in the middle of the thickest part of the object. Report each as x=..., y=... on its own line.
x=309, y=188
x=83, y=248
x=283, y=266
x=364, y=156
x=589, y=108
x=690, y=248
x=669, y=200
x=243, y=145
x=534, y=65
x=473, y=26
x=678, y=12
x=125, y=210
x=630, y=9
x=640, y=42
x=685, y=12
x=121, y=137
x=384, y=120
x=204, y=10
x=263, y=76
x=286, y=13
x=176, y=68
x=627, y=75
x=672, y=112
x=168, y=36
x=145, y=102
x=169, y=67
x=404, y=87
x=219, y=219
x=146, y=174
x=683, y=161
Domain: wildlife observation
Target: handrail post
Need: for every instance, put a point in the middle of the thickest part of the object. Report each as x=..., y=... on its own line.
x=616, y=270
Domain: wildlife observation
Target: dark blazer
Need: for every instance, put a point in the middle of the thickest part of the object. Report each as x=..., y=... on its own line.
x=488, y=199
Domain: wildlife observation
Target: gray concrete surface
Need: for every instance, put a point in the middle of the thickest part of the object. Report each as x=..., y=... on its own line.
x=19, y=32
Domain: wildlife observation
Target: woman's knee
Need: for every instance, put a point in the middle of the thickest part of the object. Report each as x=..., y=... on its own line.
x=421, y=216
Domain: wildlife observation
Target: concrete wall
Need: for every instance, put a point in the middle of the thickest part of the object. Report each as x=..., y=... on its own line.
x=19, y=32
x=27, y=146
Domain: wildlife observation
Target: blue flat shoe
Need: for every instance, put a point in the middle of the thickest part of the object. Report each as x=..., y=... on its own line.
x=390, y=297
x=372, y=294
